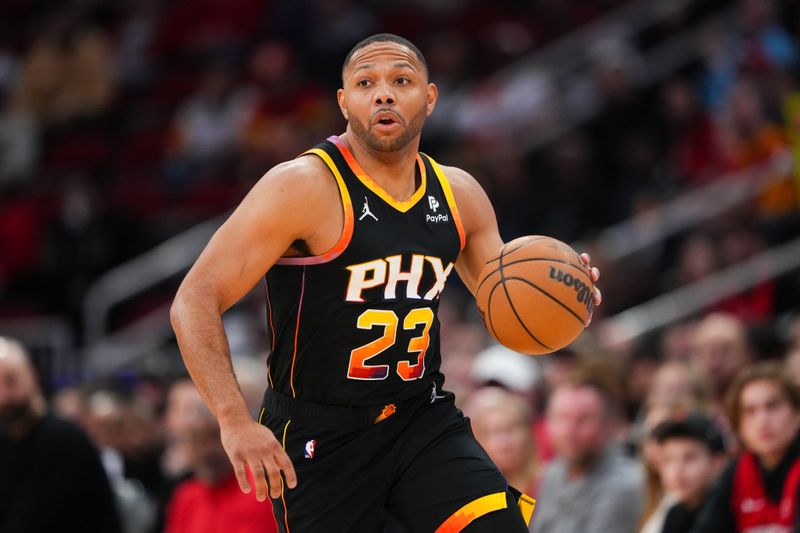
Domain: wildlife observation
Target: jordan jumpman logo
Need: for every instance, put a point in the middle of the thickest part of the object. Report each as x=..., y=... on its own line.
x=365, y=211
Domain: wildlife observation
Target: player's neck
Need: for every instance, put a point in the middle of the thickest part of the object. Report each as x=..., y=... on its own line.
x=395, y=172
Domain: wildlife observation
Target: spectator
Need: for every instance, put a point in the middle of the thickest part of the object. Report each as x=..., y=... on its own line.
x=51, y=478
x=692, y=149
x=521, y=375
x=719, y=345
x=105, y=416
x=208, y=127
x=212, y=502
x=758, y=491
x=750, y=137
x=680, y=381
x=68, y=74
x=656, y=500
x=590, y=486
x=792, y=363
x=501, y=422
x=692, y=455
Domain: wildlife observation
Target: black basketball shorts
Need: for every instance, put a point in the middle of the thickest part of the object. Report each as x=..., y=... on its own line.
x=415, y=465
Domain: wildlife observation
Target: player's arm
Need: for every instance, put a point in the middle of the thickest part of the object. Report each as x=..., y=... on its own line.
x=482, y=237
x=483, y=242
x=258, y=232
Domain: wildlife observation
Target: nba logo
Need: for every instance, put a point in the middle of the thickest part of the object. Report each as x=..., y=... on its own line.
x=310, y=445
x=433, y=203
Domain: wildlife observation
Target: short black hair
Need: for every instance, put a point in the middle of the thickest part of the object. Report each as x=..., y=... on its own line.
x=384, y=38
x=695, y=426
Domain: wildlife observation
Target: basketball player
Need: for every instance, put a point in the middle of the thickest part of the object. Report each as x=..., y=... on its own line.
x=357, y=238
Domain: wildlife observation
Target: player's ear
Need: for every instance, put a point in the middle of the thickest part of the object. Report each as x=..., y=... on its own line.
x=433, y=95
x=342, y=107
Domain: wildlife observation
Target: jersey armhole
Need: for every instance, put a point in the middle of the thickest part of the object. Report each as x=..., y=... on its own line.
x=347, y=226
x=451, y=201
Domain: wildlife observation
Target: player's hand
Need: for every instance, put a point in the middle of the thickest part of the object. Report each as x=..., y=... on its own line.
x=598, y=296
x=251, y=445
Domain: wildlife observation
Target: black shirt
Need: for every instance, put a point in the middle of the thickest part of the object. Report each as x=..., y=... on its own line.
x=680, y=519
x=52, y=481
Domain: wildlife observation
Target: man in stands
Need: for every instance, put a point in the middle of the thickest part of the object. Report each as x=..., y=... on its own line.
x=51, y=478
x=590, y=487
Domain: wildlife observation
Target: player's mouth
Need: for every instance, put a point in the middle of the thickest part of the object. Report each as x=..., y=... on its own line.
x=386, y=121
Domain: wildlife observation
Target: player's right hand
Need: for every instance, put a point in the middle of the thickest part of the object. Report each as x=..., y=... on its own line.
x=251, y=445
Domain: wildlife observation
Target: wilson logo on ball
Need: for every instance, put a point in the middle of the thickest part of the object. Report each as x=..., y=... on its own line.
x=583, y=291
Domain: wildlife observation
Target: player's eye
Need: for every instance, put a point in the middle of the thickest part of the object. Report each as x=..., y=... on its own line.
x=402, y=81
x=363, y=83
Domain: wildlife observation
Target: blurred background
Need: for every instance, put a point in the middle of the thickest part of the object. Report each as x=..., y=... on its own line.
x=661, y=136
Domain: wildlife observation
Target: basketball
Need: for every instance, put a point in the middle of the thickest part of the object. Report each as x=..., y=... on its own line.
x=537, y=296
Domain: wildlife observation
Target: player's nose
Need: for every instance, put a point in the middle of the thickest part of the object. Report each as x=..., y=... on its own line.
x=384, y=95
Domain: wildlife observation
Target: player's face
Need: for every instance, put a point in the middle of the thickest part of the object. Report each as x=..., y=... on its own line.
x=767, y=422
x=687, y=469
x=386, y=96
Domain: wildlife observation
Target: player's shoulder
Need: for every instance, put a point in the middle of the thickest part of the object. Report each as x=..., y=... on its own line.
x=460, y=180
x=471, y=200
x=467, y=191
x=305, y=178
x=302, y=171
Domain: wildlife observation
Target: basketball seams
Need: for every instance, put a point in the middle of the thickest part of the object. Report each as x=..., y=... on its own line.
x=511, y=302
x=522, y=245
x=489, y=309
x=556, y=300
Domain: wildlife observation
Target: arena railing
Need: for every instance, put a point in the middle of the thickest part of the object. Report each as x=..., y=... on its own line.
x=688, y=300
x=51, y=343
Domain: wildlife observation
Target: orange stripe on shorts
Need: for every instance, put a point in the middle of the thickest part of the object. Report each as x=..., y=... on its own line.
x=474, y=509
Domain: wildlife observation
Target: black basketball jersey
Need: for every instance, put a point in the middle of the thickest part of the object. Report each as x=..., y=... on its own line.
x=357, y=325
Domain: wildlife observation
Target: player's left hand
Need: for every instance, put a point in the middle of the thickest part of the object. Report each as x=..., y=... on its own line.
x=598, y=296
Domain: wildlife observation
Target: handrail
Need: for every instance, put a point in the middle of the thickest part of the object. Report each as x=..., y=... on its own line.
x=689, y=299
x=51, y=342
x=691, y=208
x=145, y=271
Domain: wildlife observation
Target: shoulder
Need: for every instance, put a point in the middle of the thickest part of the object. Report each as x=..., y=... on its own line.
x=305, y=172
x=553, y=477
x=464, y=184
x=292, y=185
x=61, y=432
x=188, y=492
x=725, y=480
x=471, y=200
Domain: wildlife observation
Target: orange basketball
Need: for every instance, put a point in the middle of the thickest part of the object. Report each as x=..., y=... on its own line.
x=537, y=296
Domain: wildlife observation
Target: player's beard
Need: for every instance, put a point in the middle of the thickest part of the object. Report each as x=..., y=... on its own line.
x=411, y=130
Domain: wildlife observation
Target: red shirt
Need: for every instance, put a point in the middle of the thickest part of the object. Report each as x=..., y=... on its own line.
x=198, y=508
x=753, y=510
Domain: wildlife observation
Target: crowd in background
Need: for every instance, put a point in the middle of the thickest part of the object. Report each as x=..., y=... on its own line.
x=122, y=123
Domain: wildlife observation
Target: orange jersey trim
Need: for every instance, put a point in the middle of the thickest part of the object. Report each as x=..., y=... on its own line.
x=451, y=200
x=347, y=228
x=372, y=185
x=297, y=331
x=271, y=329
x=473, y=510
